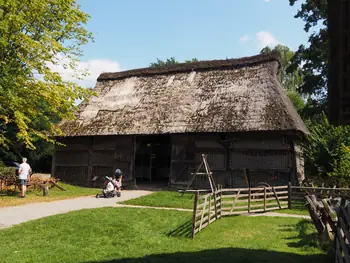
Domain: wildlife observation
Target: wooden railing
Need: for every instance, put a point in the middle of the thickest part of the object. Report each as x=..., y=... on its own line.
x=253, y=200
x=342, y=236
x=207, y=209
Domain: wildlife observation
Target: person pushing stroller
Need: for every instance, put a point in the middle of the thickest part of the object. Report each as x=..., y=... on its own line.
x=112, y=185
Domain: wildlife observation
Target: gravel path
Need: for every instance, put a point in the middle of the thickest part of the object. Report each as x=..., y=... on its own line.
x=14, y=215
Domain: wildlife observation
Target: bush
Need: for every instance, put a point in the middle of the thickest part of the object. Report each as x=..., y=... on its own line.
x=8, y=173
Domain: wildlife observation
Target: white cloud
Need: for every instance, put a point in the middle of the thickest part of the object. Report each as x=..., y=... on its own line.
x=265, y=38
x=267, y=1
x=243, y=39
x=94, y=67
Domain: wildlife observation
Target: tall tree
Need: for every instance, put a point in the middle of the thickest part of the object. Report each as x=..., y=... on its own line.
x=35, y=34
x=313, y=59
x=290, y=81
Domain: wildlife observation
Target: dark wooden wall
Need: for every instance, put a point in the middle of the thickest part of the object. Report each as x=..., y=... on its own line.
x=85, y=157
x=269, y=157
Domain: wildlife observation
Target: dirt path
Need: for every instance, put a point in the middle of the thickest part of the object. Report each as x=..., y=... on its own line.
x=14, y=215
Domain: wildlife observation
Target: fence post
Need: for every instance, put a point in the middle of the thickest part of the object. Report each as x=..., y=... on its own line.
x=194, y=213
x=220, y=201
x=264, y=199
x=249, y=199
x=289, y=195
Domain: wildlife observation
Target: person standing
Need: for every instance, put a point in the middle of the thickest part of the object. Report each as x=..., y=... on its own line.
x=24, y=176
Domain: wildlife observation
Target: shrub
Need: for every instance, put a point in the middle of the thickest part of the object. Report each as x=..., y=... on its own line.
x=8, y=173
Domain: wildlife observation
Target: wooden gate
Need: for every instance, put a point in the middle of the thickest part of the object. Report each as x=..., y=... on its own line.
x=225, y=202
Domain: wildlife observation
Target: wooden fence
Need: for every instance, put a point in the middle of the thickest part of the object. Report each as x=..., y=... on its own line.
x=224, y=202
x=209, y=207
x=342, y=236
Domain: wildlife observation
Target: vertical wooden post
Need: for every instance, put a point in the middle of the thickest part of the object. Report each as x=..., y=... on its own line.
x=264, y=199
x=210, y=197
x=215, y=206
x=289, y=195
x=194, y=214
x=220, y=201
x=89, y=171
x=132, y=162
x=249, y=199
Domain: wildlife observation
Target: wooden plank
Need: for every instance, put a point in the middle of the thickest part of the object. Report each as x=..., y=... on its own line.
x=278, y=201
x=210, y=195
x=343, y=246
x=194, y=214
x=249, y=199
x=205, y=202
x=289, y=195
x=255, y=189
x=320, y=188
x=344, y=228
x=264, y=199
x=234, y=202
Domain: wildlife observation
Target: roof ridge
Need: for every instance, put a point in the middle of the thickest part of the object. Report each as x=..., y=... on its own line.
x=200, y=65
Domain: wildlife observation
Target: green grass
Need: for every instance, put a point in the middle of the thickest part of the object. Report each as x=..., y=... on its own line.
x=11, y=198
x=144, y=235
x=164, y=199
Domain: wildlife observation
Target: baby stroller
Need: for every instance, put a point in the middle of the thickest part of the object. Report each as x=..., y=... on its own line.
x=111, y=189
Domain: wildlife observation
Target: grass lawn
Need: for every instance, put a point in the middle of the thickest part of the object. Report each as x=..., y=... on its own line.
x=174, y=199
x=11, y=198
x=146, y=235
x=164, y=199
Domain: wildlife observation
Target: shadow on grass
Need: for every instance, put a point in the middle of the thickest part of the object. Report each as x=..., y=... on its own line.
x=225, y=255
x=185, y=230
x=9, y=193
x=305, y=236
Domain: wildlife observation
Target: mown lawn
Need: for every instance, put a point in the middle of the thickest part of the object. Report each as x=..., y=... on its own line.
x=164, y=199
x=174, y=199
x=146, y=235
x=11, y=198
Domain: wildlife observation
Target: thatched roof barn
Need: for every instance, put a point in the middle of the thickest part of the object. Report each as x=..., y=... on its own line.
x=155, y=122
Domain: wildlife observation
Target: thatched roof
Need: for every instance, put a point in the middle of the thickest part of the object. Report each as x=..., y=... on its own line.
x=232, y=95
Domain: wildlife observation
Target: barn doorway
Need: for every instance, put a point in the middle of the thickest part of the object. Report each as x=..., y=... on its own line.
x=152, y=159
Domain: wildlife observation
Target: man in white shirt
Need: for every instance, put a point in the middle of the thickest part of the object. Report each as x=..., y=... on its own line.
x=24, y=176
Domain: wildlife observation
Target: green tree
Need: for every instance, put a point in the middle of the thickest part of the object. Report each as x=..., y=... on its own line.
x=327, y=151
x=313, y=60
x=290, y=81
x=33, y=98
x=169, y=62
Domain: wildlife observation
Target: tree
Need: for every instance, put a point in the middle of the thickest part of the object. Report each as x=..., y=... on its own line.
x=169, y=62
x=327, y=151
x=35, y=34
x=313, y=60
x=290, y=81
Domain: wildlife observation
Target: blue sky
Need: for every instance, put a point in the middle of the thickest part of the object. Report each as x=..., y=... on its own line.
x=132, y=33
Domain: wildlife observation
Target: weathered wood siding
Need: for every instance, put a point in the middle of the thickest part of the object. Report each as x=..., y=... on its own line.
x=85, y=157
x=268, y=157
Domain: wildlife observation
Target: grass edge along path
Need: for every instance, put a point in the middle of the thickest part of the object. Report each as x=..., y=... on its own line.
x=112, y=235
x=36, y=196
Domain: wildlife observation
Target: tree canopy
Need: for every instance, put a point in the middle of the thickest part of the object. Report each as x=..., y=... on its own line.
x=169, y=61
x=313, y=59
x=290, y=80
x=34, y=35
